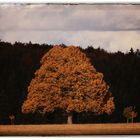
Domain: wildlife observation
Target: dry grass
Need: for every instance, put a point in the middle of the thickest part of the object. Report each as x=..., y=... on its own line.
x=74, y=129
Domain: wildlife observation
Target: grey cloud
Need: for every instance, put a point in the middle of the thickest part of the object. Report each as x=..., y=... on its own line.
x=113, y=27
x=111, y=41
x=70, y=17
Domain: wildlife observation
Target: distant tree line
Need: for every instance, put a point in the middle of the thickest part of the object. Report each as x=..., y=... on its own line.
x=19, y=61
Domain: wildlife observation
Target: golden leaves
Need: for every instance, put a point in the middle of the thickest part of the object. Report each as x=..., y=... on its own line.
x=129, y=112
x=68, y=81
x=109, y=106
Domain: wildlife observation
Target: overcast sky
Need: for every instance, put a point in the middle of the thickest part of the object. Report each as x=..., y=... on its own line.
x=112, y=27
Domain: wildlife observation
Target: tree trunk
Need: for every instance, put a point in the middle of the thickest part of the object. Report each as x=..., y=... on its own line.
x=12, y=121
x=132, y=120
x=69, y=121
x=127, y=120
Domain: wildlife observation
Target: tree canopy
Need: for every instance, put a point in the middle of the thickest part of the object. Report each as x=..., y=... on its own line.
x=66, y=80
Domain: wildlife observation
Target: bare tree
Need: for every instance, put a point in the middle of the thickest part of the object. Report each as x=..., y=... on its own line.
x=12, y=119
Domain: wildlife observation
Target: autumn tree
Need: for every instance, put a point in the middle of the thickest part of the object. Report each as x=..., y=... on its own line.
x=129, y=113
x=66, y=80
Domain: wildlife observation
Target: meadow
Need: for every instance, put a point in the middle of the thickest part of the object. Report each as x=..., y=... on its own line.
x=74, y=129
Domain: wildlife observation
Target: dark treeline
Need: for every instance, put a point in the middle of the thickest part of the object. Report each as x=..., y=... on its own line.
x=19, y=61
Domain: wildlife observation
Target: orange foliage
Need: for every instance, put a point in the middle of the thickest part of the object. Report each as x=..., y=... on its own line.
x=67, y=80
x=129, y=112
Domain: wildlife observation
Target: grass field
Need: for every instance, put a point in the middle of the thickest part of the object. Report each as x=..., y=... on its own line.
x=74, y=129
